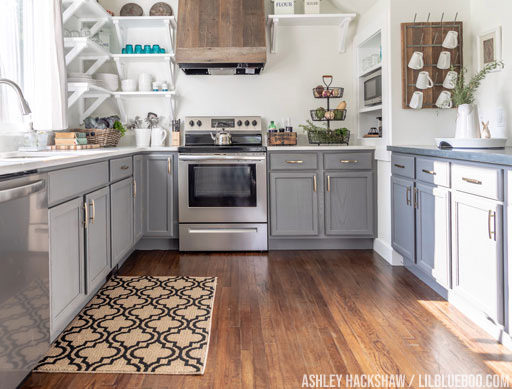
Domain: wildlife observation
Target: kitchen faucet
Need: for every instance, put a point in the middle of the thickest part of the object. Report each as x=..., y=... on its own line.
x=25, y=108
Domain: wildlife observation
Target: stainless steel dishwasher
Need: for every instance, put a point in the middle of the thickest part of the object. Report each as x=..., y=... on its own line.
x=24, y=276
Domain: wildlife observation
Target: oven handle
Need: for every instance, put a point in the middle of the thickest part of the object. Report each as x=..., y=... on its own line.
x=222, y=230
x=221, y=158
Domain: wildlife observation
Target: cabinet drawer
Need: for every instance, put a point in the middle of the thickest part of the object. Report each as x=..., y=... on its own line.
x=433, y=171
x=120, y=168
x=402, y=165
x=478, y=180
x=348, y=161
x=293, y=161
x=67, y=183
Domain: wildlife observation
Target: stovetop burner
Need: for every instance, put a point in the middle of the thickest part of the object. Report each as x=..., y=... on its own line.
x=221, y=149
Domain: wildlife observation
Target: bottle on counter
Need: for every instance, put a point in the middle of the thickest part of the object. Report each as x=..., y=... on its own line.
x=272, y=127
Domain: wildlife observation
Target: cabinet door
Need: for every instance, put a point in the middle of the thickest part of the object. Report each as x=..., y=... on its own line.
x=121, y=205
x=97, y=238
x=349, y=203
x=293, y=204
x=160, y=207
x=402, y=210
x=138, y=195
x=433, y=232
x=477, y=253
x=67, y=266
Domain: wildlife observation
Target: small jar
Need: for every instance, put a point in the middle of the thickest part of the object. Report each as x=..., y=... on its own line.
x=165, y=87
x=156, y=86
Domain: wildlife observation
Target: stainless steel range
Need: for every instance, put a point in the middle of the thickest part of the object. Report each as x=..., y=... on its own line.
x=223, y=185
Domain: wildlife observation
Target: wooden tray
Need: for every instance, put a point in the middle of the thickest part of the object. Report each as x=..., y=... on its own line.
x=75, y=147
x=412, y=41
x=282, y=139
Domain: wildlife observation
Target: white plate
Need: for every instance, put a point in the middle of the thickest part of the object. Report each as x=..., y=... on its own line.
x=471, y=143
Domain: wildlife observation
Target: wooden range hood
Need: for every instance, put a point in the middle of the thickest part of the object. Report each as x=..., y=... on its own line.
x=221, y=36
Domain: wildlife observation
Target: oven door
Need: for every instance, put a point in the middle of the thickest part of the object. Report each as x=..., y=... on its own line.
x=222, y=188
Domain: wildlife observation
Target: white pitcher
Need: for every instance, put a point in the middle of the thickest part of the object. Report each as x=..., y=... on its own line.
x=158, y=136
x=468, y=125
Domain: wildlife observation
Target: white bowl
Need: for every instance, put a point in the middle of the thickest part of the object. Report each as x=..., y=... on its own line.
x=110, y=80
x=129, y=85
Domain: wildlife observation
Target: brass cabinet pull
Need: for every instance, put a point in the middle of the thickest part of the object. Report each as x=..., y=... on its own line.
x=492, y=233
x=399, y=166
x=124, y=167
x=431, y=172
x=349, y=161
x=295, y=162
x=472, y=181
x=93, y=204
x=408, y=195
x=169, y=165
x=416, y=202
x=86, y=214
x=134, y=188
x=328, y=183
x=314, y=183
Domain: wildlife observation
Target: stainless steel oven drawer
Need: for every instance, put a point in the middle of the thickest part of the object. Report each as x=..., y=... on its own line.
x=223, y=237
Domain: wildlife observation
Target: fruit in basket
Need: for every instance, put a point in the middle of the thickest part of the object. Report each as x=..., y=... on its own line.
x=319, y=90
x=338, y=114
x=320, y=113
x=327, y=93
x=336, y=92
x=342, y=105
x=329, y=115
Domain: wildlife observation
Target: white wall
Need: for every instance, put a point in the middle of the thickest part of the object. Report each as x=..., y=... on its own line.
x=496, y=90
x=283, y=90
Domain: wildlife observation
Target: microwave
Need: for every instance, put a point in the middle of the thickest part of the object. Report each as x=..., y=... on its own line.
x=372, y=88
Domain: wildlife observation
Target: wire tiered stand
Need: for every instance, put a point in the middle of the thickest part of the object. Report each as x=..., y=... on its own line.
x=328, y=115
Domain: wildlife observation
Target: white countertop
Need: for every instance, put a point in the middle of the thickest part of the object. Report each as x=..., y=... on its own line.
x=54, y=159
x=319, y=148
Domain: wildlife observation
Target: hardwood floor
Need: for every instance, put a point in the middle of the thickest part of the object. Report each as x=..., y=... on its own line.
x=281, y=315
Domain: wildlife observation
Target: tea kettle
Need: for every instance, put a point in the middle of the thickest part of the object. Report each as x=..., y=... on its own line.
x=221, y=138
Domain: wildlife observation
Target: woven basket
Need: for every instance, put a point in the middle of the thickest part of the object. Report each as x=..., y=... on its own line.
x=105, y=138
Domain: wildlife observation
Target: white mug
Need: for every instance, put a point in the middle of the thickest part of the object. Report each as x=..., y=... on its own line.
x=128, y=85
x=416, y=61
x=424, y=81
x=444, y=60
x=444, y=100
x=158, y=136
x=450, y=80
x=416, y=100
x=450, y=40
x=142, y=137
x=145, y=80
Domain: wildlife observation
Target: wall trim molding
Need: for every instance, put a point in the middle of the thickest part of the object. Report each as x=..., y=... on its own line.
x=381, y=247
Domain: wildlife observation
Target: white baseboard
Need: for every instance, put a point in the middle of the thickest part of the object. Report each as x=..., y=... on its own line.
x=386, y=251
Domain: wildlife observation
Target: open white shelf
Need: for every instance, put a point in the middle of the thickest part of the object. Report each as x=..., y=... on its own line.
x=86, y=49
x=144, y=94
x=144, y=21
x=169, y=96
x=371, y=109
x=85, y=9
x=340, y=20
x=123, y=59
x=371, y=69
x=84, y=90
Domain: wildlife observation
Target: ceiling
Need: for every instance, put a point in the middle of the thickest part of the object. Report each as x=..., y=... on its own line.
x=357, y=6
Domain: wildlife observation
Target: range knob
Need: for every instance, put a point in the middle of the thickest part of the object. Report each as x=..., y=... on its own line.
x=199, y=123
x=247, y=123
x=239, y=123
x=254, y=123
x=191, y=123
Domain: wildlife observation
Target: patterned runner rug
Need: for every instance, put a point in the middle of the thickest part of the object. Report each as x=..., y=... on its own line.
x=147, y=325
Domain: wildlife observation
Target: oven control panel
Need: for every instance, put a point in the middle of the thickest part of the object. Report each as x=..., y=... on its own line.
x=212, y=123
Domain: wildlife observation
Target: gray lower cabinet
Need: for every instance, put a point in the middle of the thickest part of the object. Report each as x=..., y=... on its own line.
x=67, y=263
x=138, y=198
x=348, y=203
x=477, y=253
x=97, y=238
x=160, y=209
x=294, y=204
x=121, y=205
x=402, y=209
x=433, y=231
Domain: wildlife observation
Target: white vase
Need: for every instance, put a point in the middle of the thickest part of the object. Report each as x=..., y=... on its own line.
x=468, y=125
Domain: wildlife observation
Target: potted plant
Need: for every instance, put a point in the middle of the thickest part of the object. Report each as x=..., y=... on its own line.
x=468, y=125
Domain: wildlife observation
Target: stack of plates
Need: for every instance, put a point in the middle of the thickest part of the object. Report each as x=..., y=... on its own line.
x=83, y=77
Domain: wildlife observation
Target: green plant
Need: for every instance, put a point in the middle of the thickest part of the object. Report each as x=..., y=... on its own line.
x=465, y=93
x=119, y=127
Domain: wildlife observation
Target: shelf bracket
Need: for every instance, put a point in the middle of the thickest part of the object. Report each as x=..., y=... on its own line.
x=274, y=27
x=71, y=10
x=172, y=106
x=119, y=33
x=97, y=26
x=96, y=65
x=73, y=53
x=122, y=110
x=343, y=34
x=93, y=107
x=120, y=68
x=75, y=96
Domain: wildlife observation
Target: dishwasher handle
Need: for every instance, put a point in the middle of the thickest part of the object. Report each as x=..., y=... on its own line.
x=21, y=191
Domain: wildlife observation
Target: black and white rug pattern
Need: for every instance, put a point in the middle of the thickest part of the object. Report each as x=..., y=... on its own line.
x=149, y=325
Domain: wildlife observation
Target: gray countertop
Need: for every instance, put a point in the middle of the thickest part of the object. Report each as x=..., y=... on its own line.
x=495, y=156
